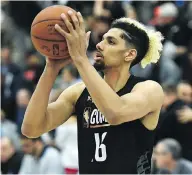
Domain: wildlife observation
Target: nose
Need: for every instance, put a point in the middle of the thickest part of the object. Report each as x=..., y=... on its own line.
x=99, y=46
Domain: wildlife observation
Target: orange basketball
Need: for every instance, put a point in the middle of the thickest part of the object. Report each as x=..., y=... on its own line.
x=44, y=36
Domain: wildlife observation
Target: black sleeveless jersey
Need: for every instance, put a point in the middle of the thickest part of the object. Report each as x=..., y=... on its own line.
x=107, y=149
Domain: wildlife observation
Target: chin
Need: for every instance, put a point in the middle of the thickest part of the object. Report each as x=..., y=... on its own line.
x=99, y=65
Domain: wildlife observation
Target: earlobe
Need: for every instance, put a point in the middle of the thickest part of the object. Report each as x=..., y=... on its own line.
x=127, y=58
x=130, y=55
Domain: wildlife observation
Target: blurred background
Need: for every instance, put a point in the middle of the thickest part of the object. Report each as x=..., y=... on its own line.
x=21, y=66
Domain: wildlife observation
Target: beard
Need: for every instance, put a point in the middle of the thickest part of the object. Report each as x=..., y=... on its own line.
x=99, y=65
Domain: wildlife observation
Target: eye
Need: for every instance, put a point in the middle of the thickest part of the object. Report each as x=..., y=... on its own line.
x=111, y=42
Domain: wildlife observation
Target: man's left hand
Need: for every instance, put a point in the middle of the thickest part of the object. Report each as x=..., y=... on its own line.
x=77, y=39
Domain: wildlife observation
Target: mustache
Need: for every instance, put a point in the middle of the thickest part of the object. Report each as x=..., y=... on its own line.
x=98, y=53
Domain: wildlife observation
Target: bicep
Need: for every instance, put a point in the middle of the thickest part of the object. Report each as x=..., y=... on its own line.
x=135, y=105
x=142, y=100
x=60, y=110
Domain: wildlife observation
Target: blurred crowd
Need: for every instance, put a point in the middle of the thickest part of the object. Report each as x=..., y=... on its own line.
x=21, y=67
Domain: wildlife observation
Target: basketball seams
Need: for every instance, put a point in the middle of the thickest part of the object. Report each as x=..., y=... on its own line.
x=47, y=20
x=48, y=39
x=44, y=21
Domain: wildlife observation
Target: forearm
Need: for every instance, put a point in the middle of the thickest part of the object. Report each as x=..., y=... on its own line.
x=36, y=110
x=106, y=100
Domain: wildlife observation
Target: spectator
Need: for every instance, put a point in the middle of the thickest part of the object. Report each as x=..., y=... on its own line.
x=171, y=100
x=31, y=72
x=22, y=99
x=113, y=9
x=7, y=64
x=39, y=158
x=9, y=72
x=69, y=76
x=99, y=27
x=177, y=38
x=184, y=92
x=33, y=68
x=66, y=140
x=10, y=158
x=167, y=156
x=170, y=125
x=185, y=63
x=10, y=130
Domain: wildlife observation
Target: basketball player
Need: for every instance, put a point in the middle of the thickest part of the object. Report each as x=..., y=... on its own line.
x=117, y=116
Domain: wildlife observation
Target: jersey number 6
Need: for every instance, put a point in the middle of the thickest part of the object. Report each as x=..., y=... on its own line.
x=100, y=151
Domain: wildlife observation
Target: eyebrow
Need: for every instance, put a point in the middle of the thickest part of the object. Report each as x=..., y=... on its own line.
x=108, y=37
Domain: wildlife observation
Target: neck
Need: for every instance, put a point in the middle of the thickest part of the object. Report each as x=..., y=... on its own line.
x=171, y=166
x=12, y=152
x=39, y=150
x=174, y=98
x=116, y=78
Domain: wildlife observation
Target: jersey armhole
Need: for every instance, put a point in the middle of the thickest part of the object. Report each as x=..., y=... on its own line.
x=78, y=100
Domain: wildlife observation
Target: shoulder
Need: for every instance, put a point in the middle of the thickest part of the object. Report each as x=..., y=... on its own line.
x=51, y=152
x=150, y=89
x=149, y=85
x=27, y=164
x=28, y=159
x=73, y=92
x=10, y=124
x=185, y=166
x=77, y=87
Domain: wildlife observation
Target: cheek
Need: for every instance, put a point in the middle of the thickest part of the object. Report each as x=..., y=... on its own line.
x=112, y=56
x=27, y=149
x=4, y=155
x=161, y=161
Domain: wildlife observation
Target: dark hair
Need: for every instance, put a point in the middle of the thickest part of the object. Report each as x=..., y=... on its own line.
x=135, y=36
x=29, y=53
x=184, y=82
x=169, y=89
x=172, y=146
x=73, y=70
x=103, y=19
x=33, y=139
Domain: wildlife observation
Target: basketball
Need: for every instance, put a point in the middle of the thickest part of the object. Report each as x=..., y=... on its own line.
x=45, y=38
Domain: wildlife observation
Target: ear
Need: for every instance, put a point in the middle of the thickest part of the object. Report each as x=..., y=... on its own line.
x=130, y=55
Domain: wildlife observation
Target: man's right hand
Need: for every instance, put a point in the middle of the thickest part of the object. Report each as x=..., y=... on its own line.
x=57, y=64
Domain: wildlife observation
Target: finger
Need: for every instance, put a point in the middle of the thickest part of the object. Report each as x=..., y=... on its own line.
x=67, y=23
x=88, y=34
x=181, y=119
x=74, y=19
x=81, y=21
x=88, y=37
x=61, y=31
x=180, y=112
